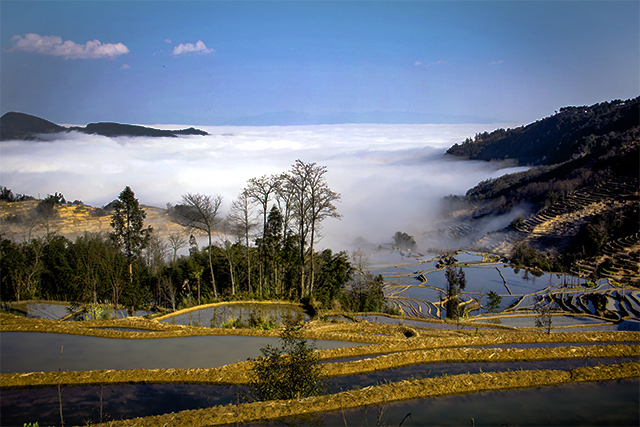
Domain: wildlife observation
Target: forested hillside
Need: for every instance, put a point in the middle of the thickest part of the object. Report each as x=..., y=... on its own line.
x=581, y=198
x=570, y=133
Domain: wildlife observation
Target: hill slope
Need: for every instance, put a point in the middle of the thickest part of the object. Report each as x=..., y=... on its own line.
x=581, y=204
x=573, y=131
x=24, y=126
x=20, y=126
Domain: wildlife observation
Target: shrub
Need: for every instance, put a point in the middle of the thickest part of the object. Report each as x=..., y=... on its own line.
x=290, y=372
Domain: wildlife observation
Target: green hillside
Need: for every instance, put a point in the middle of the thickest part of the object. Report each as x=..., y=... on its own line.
x=570, y=133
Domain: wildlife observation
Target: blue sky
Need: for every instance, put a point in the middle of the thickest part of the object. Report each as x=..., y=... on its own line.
x=206, y=62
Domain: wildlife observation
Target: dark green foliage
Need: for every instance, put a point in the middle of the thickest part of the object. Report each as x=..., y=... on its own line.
x=46, y=207
x=493, y=301
x=526, y=256
x=334, y=272
x=128, y=224
x=365, y=295
x=290, y=372
x=6, y=195
x=24, y=126
x=117, y=129
x=403, y=241
x=456, y=283
x=574, y=131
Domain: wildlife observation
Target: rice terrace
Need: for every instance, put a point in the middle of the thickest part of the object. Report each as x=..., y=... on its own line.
x=335, y=213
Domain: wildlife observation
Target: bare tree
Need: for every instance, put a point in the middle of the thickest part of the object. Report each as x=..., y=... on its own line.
x=242, y=222
x=168, y=291
x=199, y=213
x=155, y=253
x=321, y=200
x=261, y=191
x=312, y=203
x=177, y=241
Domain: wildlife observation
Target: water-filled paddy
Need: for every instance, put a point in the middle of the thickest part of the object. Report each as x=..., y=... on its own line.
x=34, y=351
x=83, y=404
x=216, y=316
x=413, y=283
x=610, y=403
x=432, y=370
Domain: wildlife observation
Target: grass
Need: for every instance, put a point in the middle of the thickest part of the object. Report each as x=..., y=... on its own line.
x=382, y=394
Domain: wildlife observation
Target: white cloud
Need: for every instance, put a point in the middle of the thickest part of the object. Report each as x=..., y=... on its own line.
x=168, y=41
x=391, y=177
x=496, y=62
x=53, y=45
x=199, y=48
x=430, y=64
x=125, y=67
x=439, y=62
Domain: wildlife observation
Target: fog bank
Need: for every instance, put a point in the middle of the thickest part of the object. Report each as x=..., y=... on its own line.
x=391, y=177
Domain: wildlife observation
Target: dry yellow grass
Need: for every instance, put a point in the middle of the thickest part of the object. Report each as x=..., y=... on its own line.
x=388, y=341
x=402, y=390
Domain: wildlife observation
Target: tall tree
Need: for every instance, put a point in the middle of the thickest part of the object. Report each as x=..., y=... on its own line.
x=127, y=222
x=242, y=222
x=313, y=201
x=261, y=191
x=199, y=213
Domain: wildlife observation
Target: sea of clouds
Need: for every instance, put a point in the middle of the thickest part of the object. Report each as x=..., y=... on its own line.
x=391, y=177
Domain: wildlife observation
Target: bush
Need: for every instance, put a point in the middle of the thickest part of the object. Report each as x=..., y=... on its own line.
x=290, y=372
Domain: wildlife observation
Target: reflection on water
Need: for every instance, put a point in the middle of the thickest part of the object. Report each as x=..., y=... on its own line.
x=34, y=351
x=432, y=370
x=414, y=284
x=217, y=316
x=611, y=403
x=606, y=403
x=82, y=405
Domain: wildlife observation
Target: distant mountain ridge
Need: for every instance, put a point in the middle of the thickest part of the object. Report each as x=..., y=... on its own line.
x=21, y=126
x=297, y=118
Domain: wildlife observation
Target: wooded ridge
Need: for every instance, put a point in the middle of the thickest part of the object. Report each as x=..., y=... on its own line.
x=571, y=132
x=17, y=126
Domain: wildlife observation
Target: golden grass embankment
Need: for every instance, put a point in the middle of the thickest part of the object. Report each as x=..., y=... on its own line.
x=382, y=394
x=240, y=373
x=389, y=342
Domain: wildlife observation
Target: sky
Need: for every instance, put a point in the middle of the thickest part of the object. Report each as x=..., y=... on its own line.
x=210, y=62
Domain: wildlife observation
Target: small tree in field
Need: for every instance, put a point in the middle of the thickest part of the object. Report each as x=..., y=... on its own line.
x=494, y=301
x=456, y=282
x=290, y=372
x=543, y=319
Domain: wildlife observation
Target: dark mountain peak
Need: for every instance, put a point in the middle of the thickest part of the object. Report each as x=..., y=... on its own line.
x=25, y=126
x=14, y=125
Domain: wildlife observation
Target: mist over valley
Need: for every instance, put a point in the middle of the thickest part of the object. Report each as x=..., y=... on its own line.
x=390, y=177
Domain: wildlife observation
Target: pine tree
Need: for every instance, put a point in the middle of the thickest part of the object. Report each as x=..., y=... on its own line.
x=127, y=222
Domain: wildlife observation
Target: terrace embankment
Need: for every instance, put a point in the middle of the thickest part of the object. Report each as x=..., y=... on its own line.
x=382, y=394
x=385, y=346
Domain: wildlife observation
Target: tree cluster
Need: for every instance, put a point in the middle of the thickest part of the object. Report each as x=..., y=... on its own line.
x=264, y=248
